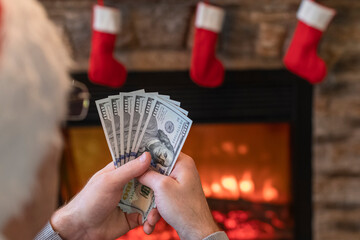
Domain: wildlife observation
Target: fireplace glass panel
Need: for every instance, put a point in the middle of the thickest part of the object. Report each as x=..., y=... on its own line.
x=244, y=169
x=245, y=173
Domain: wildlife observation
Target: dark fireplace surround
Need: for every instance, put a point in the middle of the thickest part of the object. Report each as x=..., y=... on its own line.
x=256, y=96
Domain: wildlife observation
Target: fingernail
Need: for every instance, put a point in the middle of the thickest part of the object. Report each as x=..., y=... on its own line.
x=143, y=157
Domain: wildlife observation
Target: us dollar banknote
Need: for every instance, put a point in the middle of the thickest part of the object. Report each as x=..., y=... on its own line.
x=173, y=102
x=119, y=123
x=139, y=109
x=130, y=192
x=115, y=104
x=127, y=111
x=163, y=135
x=148, y=108
x=105, y=113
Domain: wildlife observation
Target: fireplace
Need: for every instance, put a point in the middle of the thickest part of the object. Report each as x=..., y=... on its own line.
x=251, y=141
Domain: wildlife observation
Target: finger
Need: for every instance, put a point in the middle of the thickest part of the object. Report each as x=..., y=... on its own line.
x=151, y=221
x=154, y=179
x=131, y=170
x=184, y=165
x=153, y=217
x=148, y=229
x=127, y=220
x=133, y=220
x=110, y=166
x=182, y=155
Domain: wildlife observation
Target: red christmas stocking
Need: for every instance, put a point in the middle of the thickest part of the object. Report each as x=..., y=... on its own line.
x=301, y=57
x=206, y=70
x=104, y=69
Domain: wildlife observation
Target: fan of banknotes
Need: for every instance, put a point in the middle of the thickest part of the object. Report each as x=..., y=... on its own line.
x=136, y=122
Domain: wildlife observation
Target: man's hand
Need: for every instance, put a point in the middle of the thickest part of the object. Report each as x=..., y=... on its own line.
x=93, y=213
x=180, y=199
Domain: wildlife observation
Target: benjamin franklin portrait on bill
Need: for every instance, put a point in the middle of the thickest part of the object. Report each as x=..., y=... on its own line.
x=158, y=144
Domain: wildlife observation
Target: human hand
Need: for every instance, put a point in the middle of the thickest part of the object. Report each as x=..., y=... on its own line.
x=93, y=213
x=180, y=199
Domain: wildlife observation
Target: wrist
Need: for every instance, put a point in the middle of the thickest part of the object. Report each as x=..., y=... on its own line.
x=200, y=230
x=63, y=221
x=209, y=229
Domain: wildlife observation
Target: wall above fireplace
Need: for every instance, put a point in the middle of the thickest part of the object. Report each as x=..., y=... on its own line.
x=158, y=34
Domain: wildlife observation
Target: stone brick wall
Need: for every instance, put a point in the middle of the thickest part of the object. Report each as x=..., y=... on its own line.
x=157, y=35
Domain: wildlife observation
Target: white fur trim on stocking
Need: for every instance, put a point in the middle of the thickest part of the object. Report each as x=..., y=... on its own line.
x=315, y=15
x=209, y=17
x=106, y=19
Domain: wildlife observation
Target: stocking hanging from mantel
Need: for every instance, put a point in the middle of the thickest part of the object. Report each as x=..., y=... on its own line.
x=301, y=57
x=206, y=70
x=104, y=69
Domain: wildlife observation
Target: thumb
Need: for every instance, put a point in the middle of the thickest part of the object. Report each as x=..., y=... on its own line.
x=154, y=180
x=131, y=170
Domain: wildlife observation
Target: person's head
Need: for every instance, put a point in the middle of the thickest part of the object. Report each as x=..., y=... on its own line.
x=33, y=86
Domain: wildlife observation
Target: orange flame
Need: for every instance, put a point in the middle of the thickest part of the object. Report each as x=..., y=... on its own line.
x=270, y=193
x=215, y=188
x=230, y=187
x=246, y=184
x=229, y=183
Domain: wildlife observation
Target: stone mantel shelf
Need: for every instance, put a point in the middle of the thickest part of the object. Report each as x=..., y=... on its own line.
x=154, y=60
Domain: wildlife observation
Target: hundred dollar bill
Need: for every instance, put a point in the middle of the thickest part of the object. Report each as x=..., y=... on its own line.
x=129, y=103
x=173, y=102
x=125, y=116
x=130, y=188
x=115, y=104
x=116, y=101
x=105, y=113
x=163, y=135
x=128, y=100
x=166, y=97
x=148, y=108
x=139, y=109
x=177, y=105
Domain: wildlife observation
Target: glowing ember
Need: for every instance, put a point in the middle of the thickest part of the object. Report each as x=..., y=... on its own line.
x=238, y=224
x=230, y=223
x=270, y=214
x=239, y=215
x=219, y=216
x=246, y=184
x=269, y=192
x=278, y=223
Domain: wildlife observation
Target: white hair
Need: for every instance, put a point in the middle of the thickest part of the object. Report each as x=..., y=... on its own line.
x=33, y=85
